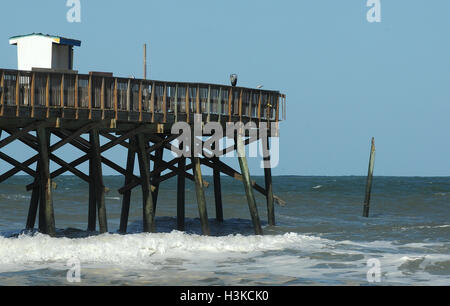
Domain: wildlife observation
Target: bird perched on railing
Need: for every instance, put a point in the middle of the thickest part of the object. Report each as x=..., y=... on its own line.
x=233, y=79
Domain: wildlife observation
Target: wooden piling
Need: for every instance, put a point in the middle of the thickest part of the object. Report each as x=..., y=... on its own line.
x=201, y=199
x=34, y=202
x=92, y=210
x=155, y=190
x=369, y=180
x=217, y=188
x=32, y=211
x=47, y=213
x=248, y=186
x=98, y=180
x=148, y=211
x=181, y=195
x=218, y=194
x=127, y=195
x=269, y=187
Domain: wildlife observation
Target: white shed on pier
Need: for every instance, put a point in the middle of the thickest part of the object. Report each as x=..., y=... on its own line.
x=44, y=51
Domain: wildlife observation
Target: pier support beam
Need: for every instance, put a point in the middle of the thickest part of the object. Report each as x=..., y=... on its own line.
x=248, y=185
x=218, y=194
x=268, y=181
x=148, y=207
x=181, y=195
x=46, y=214
x=201, y=199
x=92, y=211
x=156, y=164
x=34, y=202
x=131, y=158
x=98, y=180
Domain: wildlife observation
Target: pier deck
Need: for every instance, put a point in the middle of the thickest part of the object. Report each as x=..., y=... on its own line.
x=133, y=113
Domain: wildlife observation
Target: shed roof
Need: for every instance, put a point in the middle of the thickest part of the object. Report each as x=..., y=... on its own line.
x=56, y=39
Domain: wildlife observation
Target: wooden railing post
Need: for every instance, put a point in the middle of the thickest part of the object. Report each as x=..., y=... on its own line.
x=197, y=100
x=17, y=93
x=230, y=100
x=33, y=81
x=102, y=98
x=219, y=104
x=250, y=102
x=76, y=96
x=208, y=104
x=277, y=112
x=62, y=95
x=152, y=102
x=47, y=95
x=164, y=107
x=259, y=106
x=2, y=93
x=129, y=96
x=90, y=96
x=240, y=104
x=116, y=102
x=176, y=103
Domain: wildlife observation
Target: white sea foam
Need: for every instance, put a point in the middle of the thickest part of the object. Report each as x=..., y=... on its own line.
x=284, y=257
x=139, y=248
x=424, y=227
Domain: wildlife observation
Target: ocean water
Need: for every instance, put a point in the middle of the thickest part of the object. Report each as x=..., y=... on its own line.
x=320, y=237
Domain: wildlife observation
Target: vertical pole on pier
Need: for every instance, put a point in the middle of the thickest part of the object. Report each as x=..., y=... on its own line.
x=128, y=178
x=145, y=61
x=369, y=180
x=181, y=194
x=268, y=181
x=201, y=199
x=98, y=180
x=248, y=185
x=92, y=211
x=34, y=202
x=144, y=167
x=47, y=216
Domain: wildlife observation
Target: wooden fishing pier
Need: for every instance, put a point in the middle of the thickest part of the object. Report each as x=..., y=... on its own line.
x=137, y=114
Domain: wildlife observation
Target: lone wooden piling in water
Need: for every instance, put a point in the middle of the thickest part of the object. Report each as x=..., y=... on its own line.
x=369, y=180
x=137, y=115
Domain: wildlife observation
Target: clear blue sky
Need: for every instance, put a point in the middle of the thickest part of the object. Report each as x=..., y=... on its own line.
x=346, y=79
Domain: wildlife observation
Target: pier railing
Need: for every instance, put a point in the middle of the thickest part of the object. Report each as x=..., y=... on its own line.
x=47, y=93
